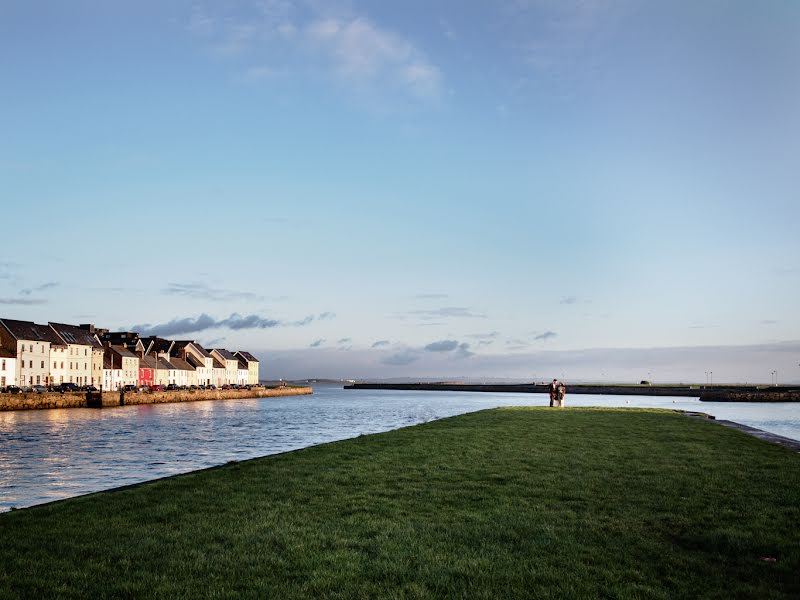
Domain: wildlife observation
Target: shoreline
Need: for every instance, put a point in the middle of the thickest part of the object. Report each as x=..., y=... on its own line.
x=52, y=400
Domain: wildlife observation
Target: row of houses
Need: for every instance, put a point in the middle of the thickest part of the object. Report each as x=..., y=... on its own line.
x=33, y=354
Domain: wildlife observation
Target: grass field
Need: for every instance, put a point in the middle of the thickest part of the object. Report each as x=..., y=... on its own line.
x=507, y=503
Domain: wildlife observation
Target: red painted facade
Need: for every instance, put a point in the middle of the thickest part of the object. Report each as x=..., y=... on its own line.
x=146, y=376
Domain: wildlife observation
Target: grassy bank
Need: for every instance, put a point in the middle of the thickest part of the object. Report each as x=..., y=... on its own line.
x=504, y=503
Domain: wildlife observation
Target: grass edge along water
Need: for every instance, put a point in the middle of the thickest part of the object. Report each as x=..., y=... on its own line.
x=510, y=502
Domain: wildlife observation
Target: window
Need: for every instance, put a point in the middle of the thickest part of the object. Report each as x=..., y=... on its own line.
x=30, y=347
x=4, y=365
x=30, y=364
x=43, y=364
x=38, y=380
x=62, y=366
x=85, y=352
x=84, y=366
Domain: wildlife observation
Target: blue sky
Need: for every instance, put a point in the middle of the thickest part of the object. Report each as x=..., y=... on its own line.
x=350, y=189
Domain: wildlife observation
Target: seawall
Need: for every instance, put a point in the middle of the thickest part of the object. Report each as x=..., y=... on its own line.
x=617, y=390
x=32, y=401
x=766, y=395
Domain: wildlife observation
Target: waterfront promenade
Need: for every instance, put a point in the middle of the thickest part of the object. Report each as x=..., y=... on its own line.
x=513, y=503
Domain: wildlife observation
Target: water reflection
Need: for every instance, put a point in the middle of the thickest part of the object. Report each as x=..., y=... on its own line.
x=52, y=454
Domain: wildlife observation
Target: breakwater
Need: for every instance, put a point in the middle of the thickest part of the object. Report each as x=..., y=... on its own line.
x=33, y=401
x=531, y=388
x=762, y=395
x=715, y=394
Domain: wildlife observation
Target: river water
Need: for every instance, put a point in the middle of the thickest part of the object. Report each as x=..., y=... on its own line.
x=53, y=454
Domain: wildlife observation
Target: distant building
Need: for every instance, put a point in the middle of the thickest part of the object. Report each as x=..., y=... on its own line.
x=30, y=343
x=229, y=362
x=252, y=366
x=198, y=358
x=72, y=358
x=8, y=368
x=122, y=366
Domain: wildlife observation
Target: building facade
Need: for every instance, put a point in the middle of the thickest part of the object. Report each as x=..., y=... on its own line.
x=8, y=368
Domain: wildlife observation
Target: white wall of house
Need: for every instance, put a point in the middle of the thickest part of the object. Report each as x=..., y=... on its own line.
x=112, y=379
x=130, y=370
x=252, y=373
x=33, y=363
x=72, y=364
x=97, y=367
x=8, y=371
x=219, y=377
x=242, y=377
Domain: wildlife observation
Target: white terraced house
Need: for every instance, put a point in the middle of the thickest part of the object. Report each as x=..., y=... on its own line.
x=252, y=366
x=72, y=359
x=230, y=362
x=30, y=344
x=8, y=368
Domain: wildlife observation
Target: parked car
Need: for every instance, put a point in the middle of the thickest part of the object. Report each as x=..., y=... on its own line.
x=89, y=388
x=39, y=389
x=13, y=389
x=172, y=387
x=130, y=388
x=157, y=388
x=66, y=387
x=193, y=387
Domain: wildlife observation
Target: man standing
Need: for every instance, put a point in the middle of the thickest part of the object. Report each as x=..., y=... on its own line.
x=553, y=389
x=562, y=391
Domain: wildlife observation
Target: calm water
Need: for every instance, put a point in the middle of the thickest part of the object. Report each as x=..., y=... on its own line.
x=52, y=454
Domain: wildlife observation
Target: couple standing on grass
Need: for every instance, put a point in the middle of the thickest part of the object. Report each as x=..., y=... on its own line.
x=557, y=393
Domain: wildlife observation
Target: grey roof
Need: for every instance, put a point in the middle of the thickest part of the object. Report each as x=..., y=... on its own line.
x=30, y=331
x=72, y=334
x=6, y=353
x=225, y=354
x=181, y=364
x=158, y=344
x=123, y=351
x=149, y=362
x=200, y=349
x=247, y=356
x=218, y=365
x=243, y=364
x=194, y=361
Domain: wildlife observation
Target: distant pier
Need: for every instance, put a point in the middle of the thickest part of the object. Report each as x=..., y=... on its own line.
x=704, y=393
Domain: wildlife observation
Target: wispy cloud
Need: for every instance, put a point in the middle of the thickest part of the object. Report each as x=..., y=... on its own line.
x=22, y=301
x=202, y=291
x=204, y=322
x=483, y=336
x=39, y=288
x=568, y=300
x=546, y=335
x=317, y=343
x=352, y=47
x=446, y=312
x=381, y=343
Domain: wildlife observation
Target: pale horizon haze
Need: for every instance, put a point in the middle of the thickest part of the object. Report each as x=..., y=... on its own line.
x=584, y=189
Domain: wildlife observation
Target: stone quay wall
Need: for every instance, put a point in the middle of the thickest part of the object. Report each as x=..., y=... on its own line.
x=32, y=401
x=786, y=395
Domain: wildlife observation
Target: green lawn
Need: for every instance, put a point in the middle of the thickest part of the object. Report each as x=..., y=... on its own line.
x=542, y=503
